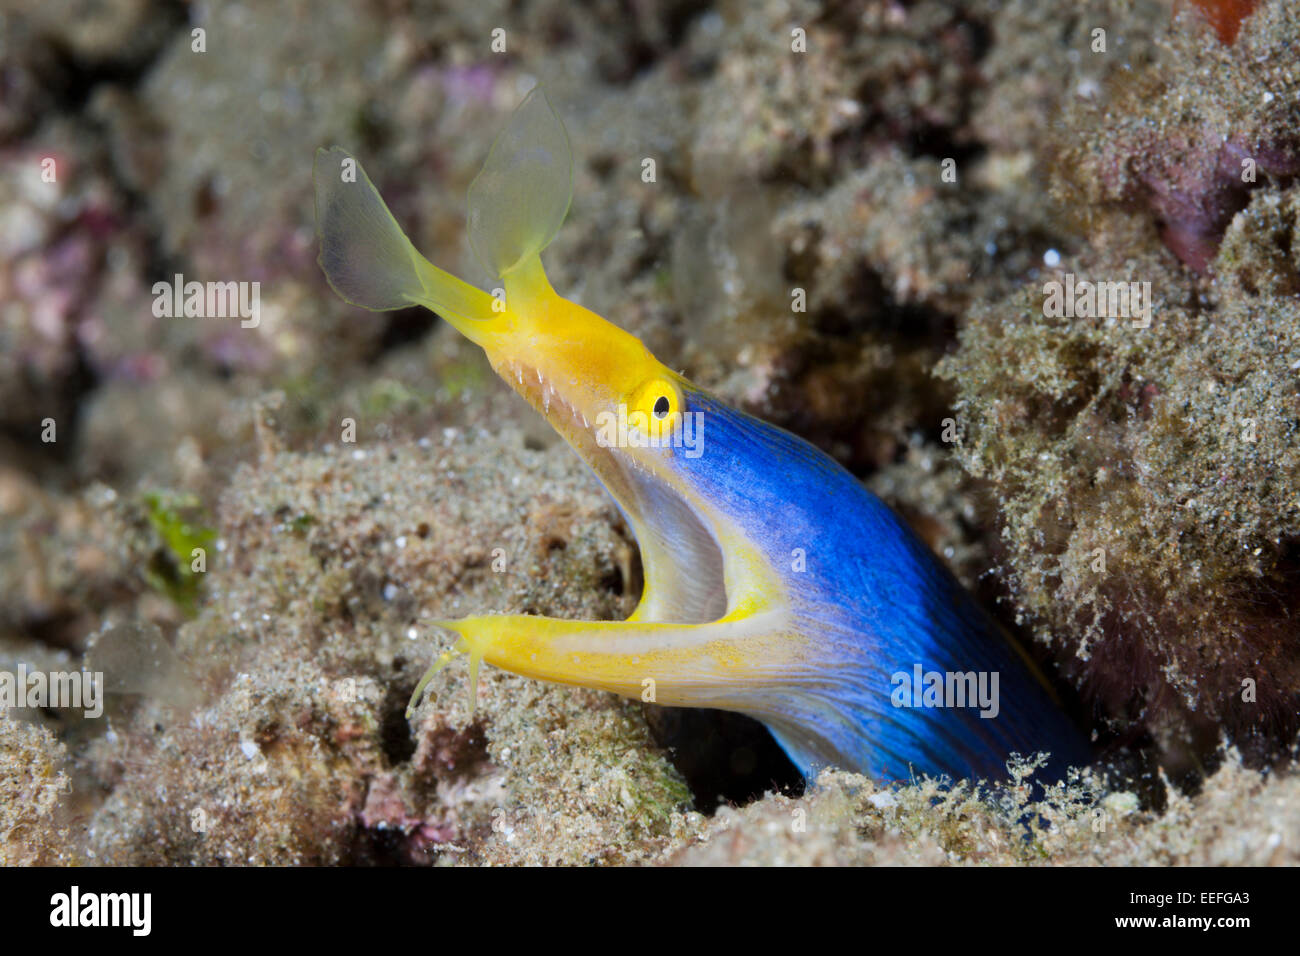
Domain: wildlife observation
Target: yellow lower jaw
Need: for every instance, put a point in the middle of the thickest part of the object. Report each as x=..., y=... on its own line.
x=680, y=664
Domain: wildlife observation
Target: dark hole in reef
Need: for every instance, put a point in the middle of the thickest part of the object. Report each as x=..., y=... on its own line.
x=372, y=846
x=62, y=629
x=646, y=43
x=64, y=404
x=395, y=733
x=725, y=757
x=612, y=581
x=911, y=324
x=940, y=143
x=73, y=82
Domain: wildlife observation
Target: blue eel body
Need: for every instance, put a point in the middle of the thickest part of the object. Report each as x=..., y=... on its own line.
x=881, y=604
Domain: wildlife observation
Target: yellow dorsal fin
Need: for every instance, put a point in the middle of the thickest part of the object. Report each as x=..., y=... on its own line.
x=519, y=199
x=367, y=258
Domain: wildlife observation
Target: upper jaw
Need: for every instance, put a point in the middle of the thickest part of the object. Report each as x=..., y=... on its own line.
x=554, y=404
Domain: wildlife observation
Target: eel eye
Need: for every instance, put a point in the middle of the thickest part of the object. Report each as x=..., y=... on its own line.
x=657, y=401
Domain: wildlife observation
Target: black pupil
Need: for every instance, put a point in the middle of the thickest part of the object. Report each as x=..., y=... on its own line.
x=661, y=406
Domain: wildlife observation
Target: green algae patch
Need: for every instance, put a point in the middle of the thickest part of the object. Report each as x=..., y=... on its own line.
x=177, y=572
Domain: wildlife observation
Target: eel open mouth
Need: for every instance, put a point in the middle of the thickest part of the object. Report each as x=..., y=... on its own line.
x=680, y=551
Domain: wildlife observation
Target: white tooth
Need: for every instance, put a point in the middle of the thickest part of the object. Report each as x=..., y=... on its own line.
x=539, y=376
x=519, y=369
x=546, y=401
